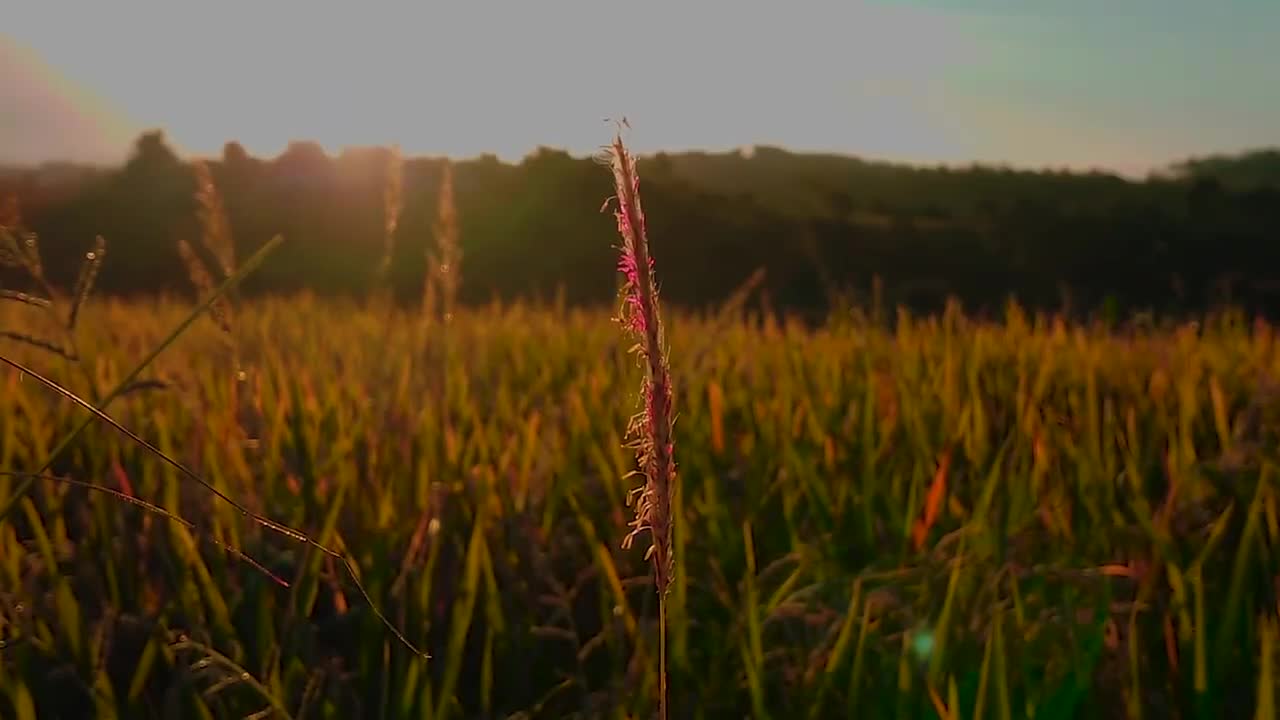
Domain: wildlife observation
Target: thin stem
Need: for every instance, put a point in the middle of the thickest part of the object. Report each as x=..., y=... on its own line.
x=662, y=657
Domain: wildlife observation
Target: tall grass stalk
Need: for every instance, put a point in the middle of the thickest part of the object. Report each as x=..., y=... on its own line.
x=440, y=290
x=650, y=430
x=444, y=266
x=392, y=206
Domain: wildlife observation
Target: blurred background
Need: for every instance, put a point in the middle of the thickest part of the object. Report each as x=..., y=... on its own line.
x=1080, y=156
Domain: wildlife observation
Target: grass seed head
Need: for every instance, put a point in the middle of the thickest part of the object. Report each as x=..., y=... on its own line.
x=650, y=431
x=445, y=263
x=215, y=228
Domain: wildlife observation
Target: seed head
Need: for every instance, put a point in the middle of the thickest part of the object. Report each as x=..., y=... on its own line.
x=650, y=430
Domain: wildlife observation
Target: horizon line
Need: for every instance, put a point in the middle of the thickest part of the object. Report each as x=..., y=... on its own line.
x=1155, y=171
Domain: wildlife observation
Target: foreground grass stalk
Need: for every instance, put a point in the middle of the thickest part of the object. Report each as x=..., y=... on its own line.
x=252, y=264
x=651, y=429
x=446, y=265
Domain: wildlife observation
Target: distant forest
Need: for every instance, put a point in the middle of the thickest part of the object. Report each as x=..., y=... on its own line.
x=824, y=229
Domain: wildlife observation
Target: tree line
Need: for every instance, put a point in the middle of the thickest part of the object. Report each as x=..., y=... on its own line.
x=823, y=229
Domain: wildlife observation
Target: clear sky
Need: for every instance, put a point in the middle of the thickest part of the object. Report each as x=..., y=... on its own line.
x=1125, y=85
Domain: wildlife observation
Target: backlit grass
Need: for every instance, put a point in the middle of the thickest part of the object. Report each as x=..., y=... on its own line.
x=942, y=519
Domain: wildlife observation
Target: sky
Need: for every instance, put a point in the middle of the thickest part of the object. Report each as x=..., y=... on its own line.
x=1121, y=86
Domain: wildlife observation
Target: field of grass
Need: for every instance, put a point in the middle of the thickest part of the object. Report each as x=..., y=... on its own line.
x=942, y=518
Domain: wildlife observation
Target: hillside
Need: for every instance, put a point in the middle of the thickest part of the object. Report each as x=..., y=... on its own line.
x=820, y=226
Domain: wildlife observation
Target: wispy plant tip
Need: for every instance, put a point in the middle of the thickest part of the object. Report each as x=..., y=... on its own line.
x=650, y=430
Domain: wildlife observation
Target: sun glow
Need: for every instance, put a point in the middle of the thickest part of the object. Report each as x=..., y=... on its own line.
x=919, y=81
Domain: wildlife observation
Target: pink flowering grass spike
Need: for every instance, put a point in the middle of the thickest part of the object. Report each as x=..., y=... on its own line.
x=650, y=431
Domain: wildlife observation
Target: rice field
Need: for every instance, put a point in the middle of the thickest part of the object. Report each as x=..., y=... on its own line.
x=912, y=518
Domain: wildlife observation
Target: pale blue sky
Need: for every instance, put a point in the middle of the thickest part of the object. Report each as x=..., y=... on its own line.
x=1062, y=84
